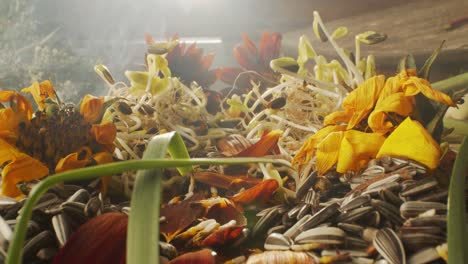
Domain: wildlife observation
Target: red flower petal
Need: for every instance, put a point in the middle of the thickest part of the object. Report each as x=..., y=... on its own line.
x=222, y=236
x=261, y=192
x=225, y=182
x=101, y=240
x=179, y=216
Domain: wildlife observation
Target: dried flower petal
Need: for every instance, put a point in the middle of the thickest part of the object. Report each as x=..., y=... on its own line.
x=40, y=92
x=206, y=256
x=411, y=140
x=74, y=160
x=327, y=151
x=266, y=143
x=100, y=240
x=307, y=151
x=105, y=135
x=219, y=180
x=413, y=85
x=21, y=103
x=91, y=108
x=357, y=148
x=260, y=192
x=19, y=167
x=222, y=236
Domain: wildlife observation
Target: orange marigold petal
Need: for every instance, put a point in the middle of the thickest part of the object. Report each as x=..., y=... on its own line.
x=261, y=192
x=357, y=148
x=21, y=168
x=327, y=152
x=74, y=160
x=22, y=104
x=40, y=92
x=91, y=108
x=411, y=140
x=105, y=135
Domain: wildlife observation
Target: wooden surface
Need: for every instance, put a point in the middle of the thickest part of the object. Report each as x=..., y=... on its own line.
x=416, y=28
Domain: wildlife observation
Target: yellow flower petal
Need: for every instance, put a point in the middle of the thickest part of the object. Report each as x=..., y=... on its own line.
x=74, y=160
x=40, y=92
x=105, y=135
x=327, y=152
x=357, y=148
x=414, y=85
x=411, y=140
x=394, y=103
x=307, y=150
x=19, y=167
x=337, y=117
x=9, y=119
x=362, y=100
x=91, y=108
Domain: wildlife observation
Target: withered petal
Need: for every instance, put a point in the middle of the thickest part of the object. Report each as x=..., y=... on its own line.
x=222, y=236
x=101, y=240
x=411, y=140
x=261, y=192
x=91, y=108
x=263, y=146
x=206, y=256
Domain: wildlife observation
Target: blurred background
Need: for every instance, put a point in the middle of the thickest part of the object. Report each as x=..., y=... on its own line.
x=62, y=40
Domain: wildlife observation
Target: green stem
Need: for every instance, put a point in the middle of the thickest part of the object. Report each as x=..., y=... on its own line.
x=15, y=249
x=452, y=84
x=456, y=223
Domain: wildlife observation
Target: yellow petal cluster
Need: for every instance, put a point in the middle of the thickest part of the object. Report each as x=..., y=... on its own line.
x=40, y=92
x=381, y=106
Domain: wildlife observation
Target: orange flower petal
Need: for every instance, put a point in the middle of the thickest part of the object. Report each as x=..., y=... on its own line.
x=103, y=158
x=327, y=152
x=105, y=135
x=40, y=92
x=9, y=119
x=19, y=167
x=260, y=192
x=222, y=236
x=357, y=148
x=91, y=108
x=411, y=140
x=263, y=146
x=307, y=151
x=74, y=160
x=22, y=104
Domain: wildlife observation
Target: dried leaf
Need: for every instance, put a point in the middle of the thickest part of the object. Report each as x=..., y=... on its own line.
x=259, y=193
x=100, y=240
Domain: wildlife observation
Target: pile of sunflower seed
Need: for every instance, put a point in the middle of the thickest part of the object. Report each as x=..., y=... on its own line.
x=56, y=216
x=392, y=213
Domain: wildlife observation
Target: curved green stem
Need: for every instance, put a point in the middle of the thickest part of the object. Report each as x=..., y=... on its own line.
x=456, y=222
x=15, y=249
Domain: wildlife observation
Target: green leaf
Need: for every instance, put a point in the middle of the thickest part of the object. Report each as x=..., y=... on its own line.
x=284, y=65
x=305, y=52
x=426, y=68
x=456, y=222
x=339, y=32
x=143, y=224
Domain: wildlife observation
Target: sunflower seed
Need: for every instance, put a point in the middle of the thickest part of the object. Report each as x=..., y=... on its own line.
x=356, y=202
x=389, y=245
x=41, y=240
x=322, y=235
x=425, y=255
x=355, y=214
x=414, y=208
x=277, y=241
x=61, y=226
